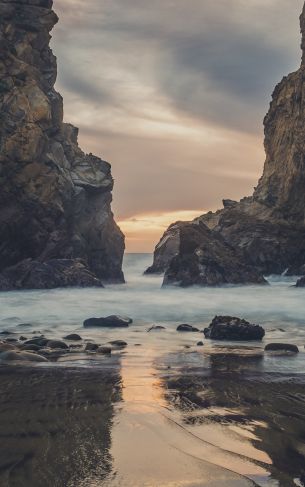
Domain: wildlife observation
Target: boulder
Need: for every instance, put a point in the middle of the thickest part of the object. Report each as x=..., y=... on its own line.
x=281, y=347
x=233, y=329
x=187, y=328
x=112, y=321
x=73, y=337
x=91, y=347
x=57, y=344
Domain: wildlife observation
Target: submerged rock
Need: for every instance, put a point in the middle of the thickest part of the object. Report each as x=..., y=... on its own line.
x=112, y=321
x=55, y=203
x=187, y=328
x=259, y=235
x=233, y=329
x=281, y=347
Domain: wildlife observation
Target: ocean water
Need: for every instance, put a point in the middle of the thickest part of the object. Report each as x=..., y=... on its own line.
x=277, y=306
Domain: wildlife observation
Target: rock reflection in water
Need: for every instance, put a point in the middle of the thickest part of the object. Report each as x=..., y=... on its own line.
x=55, y=426
x=230, y=401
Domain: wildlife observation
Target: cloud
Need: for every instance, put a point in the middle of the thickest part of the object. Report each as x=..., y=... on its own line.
x=173, y=92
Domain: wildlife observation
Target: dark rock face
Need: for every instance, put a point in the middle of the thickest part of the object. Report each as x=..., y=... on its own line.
x=233, y=329
x=55, y=201
x=112, y=321
x=267, y=229
x=206, y=259
x=281, y=347
x=54, y=273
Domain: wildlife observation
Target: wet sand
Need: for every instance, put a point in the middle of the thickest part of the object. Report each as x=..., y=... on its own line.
x=214, y=418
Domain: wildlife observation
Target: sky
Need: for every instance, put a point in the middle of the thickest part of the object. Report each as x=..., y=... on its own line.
x=173, y=94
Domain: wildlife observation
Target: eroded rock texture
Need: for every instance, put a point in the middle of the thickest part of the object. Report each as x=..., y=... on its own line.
x=266, y=231
x=55, y=201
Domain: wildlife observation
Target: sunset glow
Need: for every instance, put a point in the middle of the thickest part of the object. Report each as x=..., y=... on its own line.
x=143, y=230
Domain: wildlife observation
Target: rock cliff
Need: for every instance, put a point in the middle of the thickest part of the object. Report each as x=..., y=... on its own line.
x=267, y=229
x=55, y=200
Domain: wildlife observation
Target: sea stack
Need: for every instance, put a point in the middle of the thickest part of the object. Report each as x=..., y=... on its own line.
x=265, y=231
x=56, y=224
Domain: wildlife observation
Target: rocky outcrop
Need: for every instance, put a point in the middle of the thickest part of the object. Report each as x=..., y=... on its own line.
x=266, y=230
x=55, y=200
x=233, y=329
x=206, y=259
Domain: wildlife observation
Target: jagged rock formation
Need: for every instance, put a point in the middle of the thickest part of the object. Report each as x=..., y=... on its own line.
x=55, y=201
x=268, y=228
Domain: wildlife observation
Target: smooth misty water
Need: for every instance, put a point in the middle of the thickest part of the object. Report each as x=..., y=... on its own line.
x=163, y=412
x=279, y=307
